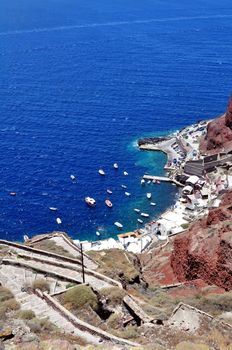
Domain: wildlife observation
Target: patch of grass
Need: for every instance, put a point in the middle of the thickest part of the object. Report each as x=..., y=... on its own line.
x=41, y=284
x=114, y=320
x=115, y=295
x=130, y=332
x=7, y=302
x=51, y=246
x=69, y=285
x=5, y=294
x=40, y=325
x=26, y=314
x=213, y=304
x=80, y=296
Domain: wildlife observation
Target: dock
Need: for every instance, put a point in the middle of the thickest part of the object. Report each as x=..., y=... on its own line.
x=161, y=179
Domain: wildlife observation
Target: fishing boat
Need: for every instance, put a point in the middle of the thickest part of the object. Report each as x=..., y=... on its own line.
x=118, y=224
x=153, y=204
x=137, y=210
x=123, y=186
x=127, y=194
x=25, y=238
x=109, y=191
x=98, y=233
x=149, y=195
x=108, y=203
x=115, y=165
x=101, y=172
x=140, y=221
x=58, y=220
x=145, y=215
x=73, y=177
x=142, y=182
x=53, y=208
x=90, y=201
x=125, y=173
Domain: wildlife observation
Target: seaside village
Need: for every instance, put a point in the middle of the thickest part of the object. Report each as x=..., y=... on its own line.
x=201, y=180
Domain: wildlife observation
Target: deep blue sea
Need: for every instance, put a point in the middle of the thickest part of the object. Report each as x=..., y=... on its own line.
x=81, y=81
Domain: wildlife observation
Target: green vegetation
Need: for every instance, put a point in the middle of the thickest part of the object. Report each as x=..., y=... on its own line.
x=41, y=284
x=79, y=297
x=69, y=285
x=113, y=294
x=7, y=302
x=130, y=332
x=26, y=314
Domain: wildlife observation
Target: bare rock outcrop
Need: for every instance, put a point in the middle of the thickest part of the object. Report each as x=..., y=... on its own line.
x=219, y=134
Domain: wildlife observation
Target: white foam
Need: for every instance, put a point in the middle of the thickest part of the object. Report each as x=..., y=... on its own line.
x=111, y=24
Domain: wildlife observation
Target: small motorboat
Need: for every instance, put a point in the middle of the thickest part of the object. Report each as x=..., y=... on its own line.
x=98, y=233
x=153, y=204
x=145, y=215
x=149, y=195
x=53, y=208
x=26, y=238
x=108, y=203
x=140, y=221
x=115, y=165
x=90, y=201
x=137, y=210
x=13, y=194
x=72, y=177
x=142, y=182
x=149, y=181
x=123, y=186
x=127, y=194
x=101, y=172
x=109, y=191
x=158, y=182
x=125, y=173
x=118, y=224
x=58, y=220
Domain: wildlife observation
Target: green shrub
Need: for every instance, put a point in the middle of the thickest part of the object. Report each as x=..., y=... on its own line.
x=114, y=294
x=69, y=285
x=41, y=284
x=26, y=314
x=80, y=296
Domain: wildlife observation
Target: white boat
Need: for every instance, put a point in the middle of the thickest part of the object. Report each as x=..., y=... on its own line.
x=149, y=195
x=153, y=204
x=137, y=210
x=142, y=182
x=58, y=220
x=145, y=215
x=118, y=224
x=98, y=233
x=109, y=191
x=26, y=238
x=123, y=186
x=125, y=173
x=108, y=203
x=149, y=181
x=127, y=194
x=90, y=201
x=53, y=208
x=101, y=172
x=115, y=165
x=140, y=221
x=73, y=177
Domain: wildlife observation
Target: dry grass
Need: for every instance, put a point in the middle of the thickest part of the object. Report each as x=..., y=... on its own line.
x=51, y=246
x=41, y=325
x=114, y=295
x=7, y=302
x=80, y=296
x=41, y=284
x=26, y=314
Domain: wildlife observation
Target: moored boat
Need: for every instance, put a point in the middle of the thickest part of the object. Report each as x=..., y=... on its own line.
x=13, y=194
x=140, y=221
x=101, y=172
x=73, y=177
x=118, y=224
x=25, y=238
x=137, y=210
x=53, y=208
x=115, y=165
x=153, y=204
x=90, y=201
x=149, y=195
x=125, y=173
x=58, y=220
x=109, y=191
x=123, y=186
x=108, y=203
x=149, y=181
x=98, y=233
x=145, y=215
x=127, y=194
x=142, y=182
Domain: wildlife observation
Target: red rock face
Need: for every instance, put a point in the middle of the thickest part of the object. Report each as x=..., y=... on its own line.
x=205, y=252
x=219, y=134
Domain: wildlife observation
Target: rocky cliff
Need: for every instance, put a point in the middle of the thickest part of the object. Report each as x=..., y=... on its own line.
x=219, y=133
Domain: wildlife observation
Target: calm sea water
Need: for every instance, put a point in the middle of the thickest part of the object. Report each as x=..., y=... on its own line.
x=80, y=82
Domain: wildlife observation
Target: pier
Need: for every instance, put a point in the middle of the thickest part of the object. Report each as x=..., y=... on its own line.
x=161, y=179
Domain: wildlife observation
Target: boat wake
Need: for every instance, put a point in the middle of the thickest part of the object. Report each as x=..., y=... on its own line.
x=119, y=23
